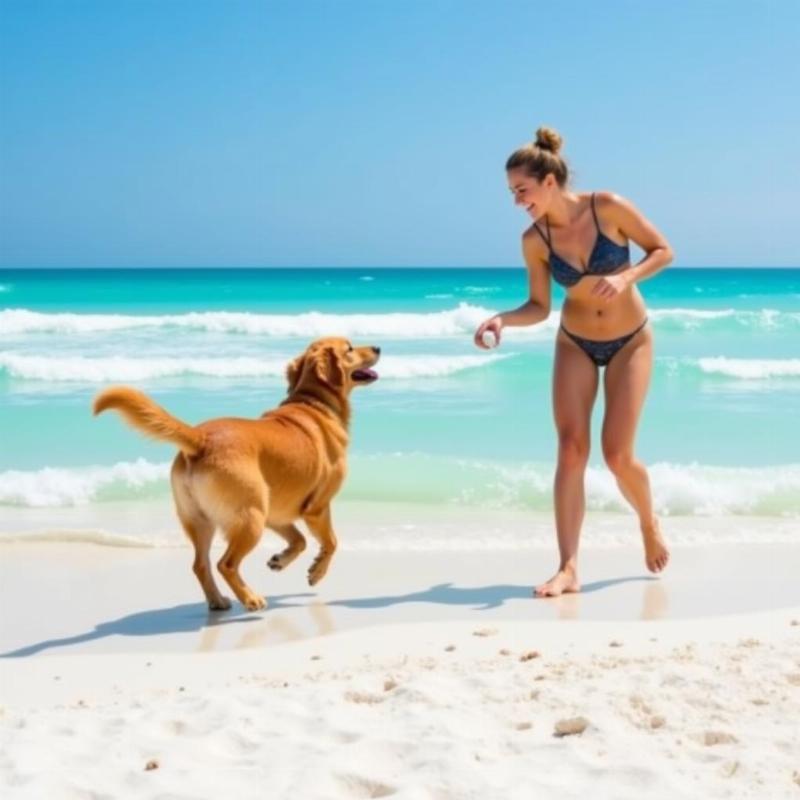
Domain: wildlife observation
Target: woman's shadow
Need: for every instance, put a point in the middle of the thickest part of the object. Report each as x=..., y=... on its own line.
x=480, y=598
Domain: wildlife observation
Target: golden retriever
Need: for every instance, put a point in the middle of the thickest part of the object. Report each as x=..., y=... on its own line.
x=242, y=475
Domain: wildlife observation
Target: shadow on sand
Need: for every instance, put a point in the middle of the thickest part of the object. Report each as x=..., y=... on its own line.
x=195, y=617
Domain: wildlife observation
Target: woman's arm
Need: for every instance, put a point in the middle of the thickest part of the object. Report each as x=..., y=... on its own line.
x=632, y=224
x=636, y=227
x=537, y=307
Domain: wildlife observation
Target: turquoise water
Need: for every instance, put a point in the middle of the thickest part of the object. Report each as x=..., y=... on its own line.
x=446, y=423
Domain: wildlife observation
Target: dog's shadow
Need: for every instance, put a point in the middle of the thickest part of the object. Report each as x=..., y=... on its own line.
x=195, y=617
x=185, y=618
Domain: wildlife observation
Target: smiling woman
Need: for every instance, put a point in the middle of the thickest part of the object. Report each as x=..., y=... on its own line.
x=603, y=324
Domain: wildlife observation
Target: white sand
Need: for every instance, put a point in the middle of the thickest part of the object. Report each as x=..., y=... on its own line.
x=375, y=684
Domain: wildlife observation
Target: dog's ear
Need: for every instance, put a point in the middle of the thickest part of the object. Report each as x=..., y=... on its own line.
x=294, y=369
x=328, y=368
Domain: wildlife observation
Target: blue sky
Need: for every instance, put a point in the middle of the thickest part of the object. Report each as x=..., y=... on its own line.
x=190, y=133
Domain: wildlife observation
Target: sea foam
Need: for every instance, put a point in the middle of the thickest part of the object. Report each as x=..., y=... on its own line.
x=416, y=478
x=313, y=324
x=455, y=322
x=751, y=368
x=55, y=487
x=121, y=368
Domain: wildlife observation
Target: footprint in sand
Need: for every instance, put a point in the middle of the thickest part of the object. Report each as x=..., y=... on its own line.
x=368, y=698
x=729, y=769
x=711, y=738
x=357, y=786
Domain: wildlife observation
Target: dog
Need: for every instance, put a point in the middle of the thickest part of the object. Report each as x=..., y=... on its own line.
x=242, y=475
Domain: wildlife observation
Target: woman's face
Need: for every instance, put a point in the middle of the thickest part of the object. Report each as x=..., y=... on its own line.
x=531, y=195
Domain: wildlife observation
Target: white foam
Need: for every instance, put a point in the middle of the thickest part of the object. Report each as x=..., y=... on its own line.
x=430, y=366
x=691, y=314
x=121, y=368
x=751, y=369
x=678, y=489
x=313, y=324
x=694, y=318
x=455, y=322
x=88, y=536
x=470, y=540
x=600, y=532
x=702, y=490
x=55, y=487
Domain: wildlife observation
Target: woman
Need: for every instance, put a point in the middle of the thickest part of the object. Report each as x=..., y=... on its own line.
x=581, y=241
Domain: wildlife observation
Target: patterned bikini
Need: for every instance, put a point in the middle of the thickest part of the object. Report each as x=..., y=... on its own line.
x=606, y=257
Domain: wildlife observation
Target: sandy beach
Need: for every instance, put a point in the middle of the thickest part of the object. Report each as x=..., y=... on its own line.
x=404, y=674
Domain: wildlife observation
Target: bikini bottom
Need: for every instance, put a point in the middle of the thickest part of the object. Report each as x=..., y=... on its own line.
x=601, y=352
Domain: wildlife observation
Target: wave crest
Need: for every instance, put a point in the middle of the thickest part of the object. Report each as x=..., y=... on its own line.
x=678, y=489
x=54, y=487
x=763, y=319
x=751, y=369
x=121, y=368
x=454, y=322
x=313, y=324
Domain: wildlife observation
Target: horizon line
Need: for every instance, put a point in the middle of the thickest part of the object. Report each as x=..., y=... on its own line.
x=354, y=267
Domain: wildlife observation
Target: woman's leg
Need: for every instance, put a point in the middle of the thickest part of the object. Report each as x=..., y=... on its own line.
x=626, y=381
x=575, y=383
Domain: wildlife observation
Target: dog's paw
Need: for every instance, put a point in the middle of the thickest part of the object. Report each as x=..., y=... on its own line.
x=276, y=563
x=317, y=572
x=223, y=604
x=255, y=603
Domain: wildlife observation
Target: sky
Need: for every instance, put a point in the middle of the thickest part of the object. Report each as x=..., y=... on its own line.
x=181, y=133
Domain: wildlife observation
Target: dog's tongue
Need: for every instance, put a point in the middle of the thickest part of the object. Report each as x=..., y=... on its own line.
x=363, y=374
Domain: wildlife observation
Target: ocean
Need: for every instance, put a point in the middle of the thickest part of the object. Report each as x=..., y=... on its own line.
x=446, y=425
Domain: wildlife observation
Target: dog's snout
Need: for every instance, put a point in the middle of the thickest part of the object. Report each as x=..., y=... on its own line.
x=376, y=350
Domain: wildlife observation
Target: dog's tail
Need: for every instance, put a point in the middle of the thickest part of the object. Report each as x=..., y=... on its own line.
x=141, y=412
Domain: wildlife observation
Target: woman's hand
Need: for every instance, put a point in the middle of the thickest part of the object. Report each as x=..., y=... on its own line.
x=493, y=325
x=610, y=286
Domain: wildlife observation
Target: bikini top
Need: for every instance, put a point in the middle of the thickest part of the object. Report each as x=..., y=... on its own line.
x=606, y=256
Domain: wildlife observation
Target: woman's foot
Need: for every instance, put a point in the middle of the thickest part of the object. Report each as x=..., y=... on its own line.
x=656, y=554
x=565, y=580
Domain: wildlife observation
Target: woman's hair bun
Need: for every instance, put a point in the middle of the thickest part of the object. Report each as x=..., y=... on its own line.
x=541, y=157
x=548, y=139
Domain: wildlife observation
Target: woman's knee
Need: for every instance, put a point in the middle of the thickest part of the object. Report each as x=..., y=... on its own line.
x=573, y=450
x=618, y=459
